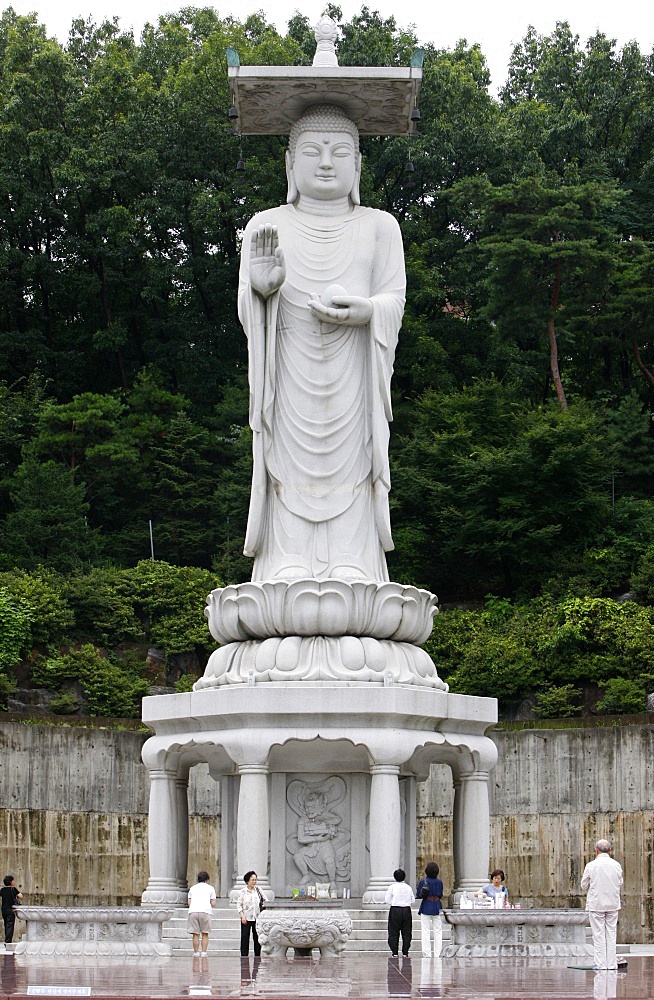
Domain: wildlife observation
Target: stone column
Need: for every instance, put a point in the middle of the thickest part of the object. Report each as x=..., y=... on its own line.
x=384, y=831
x=181, y=796
x=163, y=841
x=252, y=827
x=471, y=831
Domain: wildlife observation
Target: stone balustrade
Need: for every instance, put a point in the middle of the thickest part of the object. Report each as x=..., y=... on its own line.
x=76, y=931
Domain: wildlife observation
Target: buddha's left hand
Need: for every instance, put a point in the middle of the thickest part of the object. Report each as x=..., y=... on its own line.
x=348, y=310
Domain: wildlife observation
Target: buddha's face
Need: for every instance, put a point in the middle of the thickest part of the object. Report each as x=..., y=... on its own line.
x=324, y=165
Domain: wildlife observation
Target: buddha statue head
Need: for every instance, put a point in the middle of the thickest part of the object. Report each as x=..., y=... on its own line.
x=323, y=161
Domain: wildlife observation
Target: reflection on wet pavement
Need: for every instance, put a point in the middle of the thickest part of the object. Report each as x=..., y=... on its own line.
x=363, y=977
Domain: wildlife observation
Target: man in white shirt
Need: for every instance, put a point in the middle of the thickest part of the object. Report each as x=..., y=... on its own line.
x=399, y=896
x=201, y=898
x=601, y=881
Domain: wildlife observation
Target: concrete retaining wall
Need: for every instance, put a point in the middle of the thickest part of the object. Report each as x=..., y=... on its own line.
x=73, y=822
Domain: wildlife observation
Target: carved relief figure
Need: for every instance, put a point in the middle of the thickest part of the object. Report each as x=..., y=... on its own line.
x=320, y=847
x=321, y=298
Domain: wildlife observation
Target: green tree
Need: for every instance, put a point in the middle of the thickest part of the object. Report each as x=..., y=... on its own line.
x=504, y=495
x=548, y=254
x=47, y=524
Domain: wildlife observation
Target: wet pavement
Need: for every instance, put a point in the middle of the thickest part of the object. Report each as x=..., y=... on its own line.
x=365, y=977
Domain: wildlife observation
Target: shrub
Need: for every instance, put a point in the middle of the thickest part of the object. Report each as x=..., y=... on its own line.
x=65, y=703
x=643, y=579
x=185, y=683
x=15, y=629
x=7, y=686
x=103, y=612
x=171, y=600
x=558, y=702
x=108, y=689
x=622, y=697
x=40, y=595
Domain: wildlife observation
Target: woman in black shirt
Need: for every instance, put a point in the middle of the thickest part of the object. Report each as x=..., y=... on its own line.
x=10, y=897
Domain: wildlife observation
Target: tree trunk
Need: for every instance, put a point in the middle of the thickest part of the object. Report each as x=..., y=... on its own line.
x=639, y=361
x=551, y=336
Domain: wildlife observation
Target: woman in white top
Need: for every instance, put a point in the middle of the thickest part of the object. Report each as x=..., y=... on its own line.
x=201, y=899
x=249, y=906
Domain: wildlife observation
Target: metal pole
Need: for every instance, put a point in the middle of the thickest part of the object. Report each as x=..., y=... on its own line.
x=151, y=542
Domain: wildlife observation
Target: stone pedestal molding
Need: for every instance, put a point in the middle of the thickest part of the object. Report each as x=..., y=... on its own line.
x=320, y=630
x=115, y=931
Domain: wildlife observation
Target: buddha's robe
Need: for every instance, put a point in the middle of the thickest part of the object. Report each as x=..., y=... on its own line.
x=320, y=398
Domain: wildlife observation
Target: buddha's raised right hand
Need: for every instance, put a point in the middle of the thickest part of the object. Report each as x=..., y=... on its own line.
x=267, y=267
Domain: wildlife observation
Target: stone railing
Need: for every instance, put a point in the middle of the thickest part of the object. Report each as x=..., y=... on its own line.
x=117, y=931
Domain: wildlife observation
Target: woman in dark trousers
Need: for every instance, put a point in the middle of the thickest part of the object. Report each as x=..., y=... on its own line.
x=10, y=898
x=249, y=907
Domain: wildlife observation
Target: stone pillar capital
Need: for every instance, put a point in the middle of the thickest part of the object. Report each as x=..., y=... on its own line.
x=163, y=774
x=385, y=769
x=465, y=776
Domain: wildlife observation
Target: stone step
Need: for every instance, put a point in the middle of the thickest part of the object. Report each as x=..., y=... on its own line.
x=369, y=931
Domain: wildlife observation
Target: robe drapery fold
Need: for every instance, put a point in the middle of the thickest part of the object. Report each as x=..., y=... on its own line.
x=320, y=397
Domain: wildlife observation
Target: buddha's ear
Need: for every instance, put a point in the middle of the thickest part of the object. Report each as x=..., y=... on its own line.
x=355, y=197
x=292, y=193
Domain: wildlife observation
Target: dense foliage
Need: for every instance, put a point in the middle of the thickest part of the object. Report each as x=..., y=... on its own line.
x=522, y=446
x=101, y=638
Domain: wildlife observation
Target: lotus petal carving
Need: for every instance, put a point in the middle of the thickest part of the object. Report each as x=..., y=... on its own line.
x=278, y=608
x=347, y=659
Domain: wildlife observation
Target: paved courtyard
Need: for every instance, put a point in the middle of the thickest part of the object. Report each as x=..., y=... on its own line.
x=360, y=978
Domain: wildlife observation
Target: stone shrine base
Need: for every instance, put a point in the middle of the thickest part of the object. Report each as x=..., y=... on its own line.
x=116, y=931
x=520, y=933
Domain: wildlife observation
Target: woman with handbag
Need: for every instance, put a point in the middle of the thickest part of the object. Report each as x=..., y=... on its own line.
x=430, y=892
x=249, y=904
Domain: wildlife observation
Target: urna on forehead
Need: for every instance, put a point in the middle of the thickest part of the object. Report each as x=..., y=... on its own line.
x=323, y=118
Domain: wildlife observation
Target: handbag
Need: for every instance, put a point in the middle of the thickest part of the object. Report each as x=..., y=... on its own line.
x=262, y=902
x=424, y=892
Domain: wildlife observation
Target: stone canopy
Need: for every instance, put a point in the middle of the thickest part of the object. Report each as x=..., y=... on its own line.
x=380, y=100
